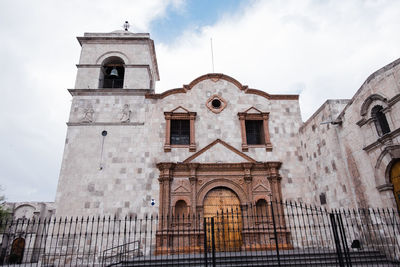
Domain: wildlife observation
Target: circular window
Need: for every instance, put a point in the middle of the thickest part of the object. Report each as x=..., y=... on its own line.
x=216, y=103
x=104, y=133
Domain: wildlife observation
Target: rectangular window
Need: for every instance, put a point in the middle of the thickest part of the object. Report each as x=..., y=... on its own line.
x=255, y=132
x=322, y=198
x=180, y=132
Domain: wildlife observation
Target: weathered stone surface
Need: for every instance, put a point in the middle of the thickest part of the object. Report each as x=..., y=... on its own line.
x=343, y=158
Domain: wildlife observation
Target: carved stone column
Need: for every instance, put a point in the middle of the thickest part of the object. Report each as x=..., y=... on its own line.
x=248, y=178
x=268, y=145
x=192, y=145
x=274, y=179
x=193, y=184
x=242, y=118
x=165, y=178
x=167, y=145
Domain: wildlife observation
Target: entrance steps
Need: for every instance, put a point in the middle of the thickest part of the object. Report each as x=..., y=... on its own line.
x=291, y=258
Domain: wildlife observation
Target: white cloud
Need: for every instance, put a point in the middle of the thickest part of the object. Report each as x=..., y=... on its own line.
x=39, y=52
x=323, y=49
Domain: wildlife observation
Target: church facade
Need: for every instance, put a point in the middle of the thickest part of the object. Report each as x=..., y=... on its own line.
x=215, y=143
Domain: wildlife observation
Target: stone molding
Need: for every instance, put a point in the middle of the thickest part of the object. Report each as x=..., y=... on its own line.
x=105, y=123
x=260, y=116
x=368, y=101
x=385, y=187
x=173, y=115
x=216, y=77
x=108, y=92
x=219, y=141
x=386, y=138
x=210, y=106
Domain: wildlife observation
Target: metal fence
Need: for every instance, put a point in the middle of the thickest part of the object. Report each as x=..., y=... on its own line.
x=275, y=234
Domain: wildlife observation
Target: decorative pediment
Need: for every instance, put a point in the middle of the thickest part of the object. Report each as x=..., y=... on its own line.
x=181, y=189
x=260, y=188
x=253, y=113
x=252, y=110
x=219, y=152
x=179, y=109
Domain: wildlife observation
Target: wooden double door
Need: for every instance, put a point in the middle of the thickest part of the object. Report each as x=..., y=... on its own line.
x=223, y=205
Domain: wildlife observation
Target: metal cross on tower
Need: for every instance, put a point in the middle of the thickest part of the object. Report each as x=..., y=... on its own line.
x=126, y=25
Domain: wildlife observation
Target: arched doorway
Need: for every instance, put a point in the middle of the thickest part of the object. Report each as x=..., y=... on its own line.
x=223, y=205
x=395, y=179
x=17, y=251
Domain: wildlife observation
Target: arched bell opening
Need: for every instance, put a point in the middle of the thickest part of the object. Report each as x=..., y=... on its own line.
x=112, y=73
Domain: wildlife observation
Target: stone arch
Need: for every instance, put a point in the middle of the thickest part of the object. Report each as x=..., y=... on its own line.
x=112, y=72
x=261, y=209
x=383, y=165
x=183, y=198
x=101, y=59
x=365, y=107
x=181, y=209
x=216, y=77
x=237, y=189
x=24, y=211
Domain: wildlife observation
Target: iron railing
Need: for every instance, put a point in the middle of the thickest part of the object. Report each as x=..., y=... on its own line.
x=277, y=234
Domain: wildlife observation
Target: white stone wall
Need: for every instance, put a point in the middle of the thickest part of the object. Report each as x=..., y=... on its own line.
x=128, y=179
x=117, y=173
x=354, y=180
x=30, y=210
x=325, y=167
x=363, y=174
x=140, y=72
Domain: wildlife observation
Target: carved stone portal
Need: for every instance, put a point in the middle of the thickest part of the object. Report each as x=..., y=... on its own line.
x=185, y=192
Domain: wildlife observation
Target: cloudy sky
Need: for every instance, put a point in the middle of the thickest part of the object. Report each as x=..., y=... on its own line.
x=316, y=48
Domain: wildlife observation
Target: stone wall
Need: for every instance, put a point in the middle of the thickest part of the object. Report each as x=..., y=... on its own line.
x=347, y=160
x=117, y=174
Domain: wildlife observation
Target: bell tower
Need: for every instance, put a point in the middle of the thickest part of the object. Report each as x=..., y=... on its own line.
x=104, y=168
x=117, y=60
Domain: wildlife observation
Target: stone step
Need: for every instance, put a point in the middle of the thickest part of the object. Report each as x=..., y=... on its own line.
x=266, y=258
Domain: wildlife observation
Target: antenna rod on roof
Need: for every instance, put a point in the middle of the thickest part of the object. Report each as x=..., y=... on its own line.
x=212, y=56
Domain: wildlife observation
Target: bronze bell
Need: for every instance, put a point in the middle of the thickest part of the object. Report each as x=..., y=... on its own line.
x=114, y=72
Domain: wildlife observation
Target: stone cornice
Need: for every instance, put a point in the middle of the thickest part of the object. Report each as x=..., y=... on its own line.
x=216, y=77
x=114, y=39
x=105, y=123
x=382, y=140
x=254, y=166
x=385, y=187
x=124, y=65
x=108, y=92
